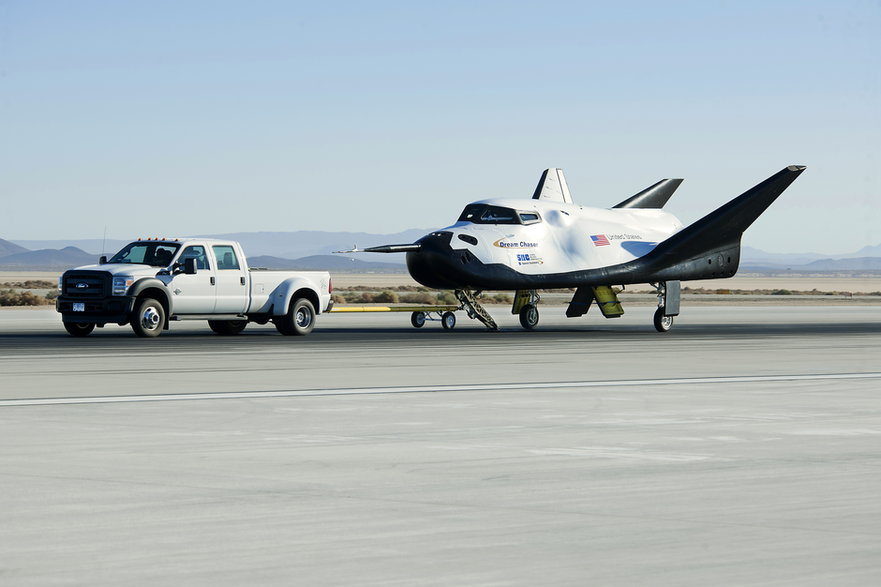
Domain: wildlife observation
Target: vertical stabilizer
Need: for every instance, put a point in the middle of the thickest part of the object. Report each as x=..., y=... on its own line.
x=552, y=187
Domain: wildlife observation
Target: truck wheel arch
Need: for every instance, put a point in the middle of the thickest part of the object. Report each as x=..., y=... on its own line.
x=309, y=294
x=288, y=292
x=152, y=288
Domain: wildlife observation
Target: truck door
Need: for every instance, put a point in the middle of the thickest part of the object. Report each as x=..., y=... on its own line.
x=232, y=289
x=194, y=294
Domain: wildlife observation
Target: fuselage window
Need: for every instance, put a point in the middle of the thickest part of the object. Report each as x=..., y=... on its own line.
x=529, y=217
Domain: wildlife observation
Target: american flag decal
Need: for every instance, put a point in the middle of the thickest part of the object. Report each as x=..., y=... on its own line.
x=600, y=240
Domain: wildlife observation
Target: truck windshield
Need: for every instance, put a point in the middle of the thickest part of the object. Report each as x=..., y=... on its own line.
x=157, y=254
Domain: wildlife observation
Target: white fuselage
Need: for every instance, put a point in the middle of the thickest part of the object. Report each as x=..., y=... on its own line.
x=566, y=238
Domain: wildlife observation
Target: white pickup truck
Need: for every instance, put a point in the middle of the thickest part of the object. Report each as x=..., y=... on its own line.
x=151, y=282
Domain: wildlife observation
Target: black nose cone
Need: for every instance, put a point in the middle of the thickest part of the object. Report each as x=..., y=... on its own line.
x=433, y=265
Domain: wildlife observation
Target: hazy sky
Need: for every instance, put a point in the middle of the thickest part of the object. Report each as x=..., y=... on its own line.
x=160, y=118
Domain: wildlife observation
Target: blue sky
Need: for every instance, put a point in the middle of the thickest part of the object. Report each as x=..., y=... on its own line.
x=210, y=117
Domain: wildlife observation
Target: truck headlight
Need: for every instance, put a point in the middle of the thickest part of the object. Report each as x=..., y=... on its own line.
x=121, y=283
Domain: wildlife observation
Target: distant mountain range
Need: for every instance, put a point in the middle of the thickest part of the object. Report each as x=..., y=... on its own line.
x=14, y=257
x=7, y=248
x=285, y=245
x=309, y=249
x=47, y=259
x=336, y=263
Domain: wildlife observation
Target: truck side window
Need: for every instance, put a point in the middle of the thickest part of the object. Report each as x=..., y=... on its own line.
x=226, y=257
x=196, y=252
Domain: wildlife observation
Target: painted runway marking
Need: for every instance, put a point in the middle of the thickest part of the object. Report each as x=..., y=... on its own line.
x=111, y=399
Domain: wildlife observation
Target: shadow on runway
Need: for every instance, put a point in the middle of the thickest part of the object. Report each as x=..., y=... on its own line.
x=121, y=339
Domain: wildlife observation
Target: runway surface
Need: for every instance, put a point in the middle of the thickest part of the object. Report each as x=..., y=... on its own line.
x=741, y=448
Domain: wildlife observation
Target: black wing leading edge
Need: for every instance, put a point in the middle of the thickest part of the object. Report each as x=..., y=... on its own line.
x=710, y=247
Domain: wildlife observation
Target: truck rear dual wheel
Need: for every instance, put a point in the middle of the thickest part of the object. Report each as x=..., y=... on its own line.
x=299, y=321
x=227, y=327
x=148, y=319
x=79, y=328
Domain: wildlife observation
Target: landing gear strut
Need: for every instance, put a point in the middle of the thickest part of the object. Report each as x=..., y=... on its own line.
x=469, y=302
x=668, y=304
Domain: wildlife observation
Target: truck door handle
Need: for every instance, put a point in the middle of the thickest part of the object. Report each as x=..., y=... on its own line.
x=212, y=281
x=243, y=280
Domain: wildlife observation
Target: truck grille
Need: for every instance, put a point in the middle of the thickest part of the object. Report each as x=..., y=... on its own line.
x=86, y=284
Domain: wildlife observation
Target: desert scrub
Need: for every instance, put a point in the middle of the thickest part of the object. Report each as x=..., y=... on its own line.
x=34, y=284
x=422, y=297
x=10, y=297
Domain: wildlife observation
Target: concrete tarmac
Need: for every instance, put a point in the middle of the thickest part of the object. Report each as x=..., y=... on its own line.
x=741, y=448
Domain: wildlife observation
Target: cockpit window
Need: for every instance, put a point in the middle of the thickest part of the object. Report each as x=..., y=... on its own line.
x=486, y=214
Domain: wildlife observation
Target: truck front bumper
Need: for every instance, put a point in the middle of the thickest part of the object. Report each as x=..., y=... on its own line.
x=102, y=311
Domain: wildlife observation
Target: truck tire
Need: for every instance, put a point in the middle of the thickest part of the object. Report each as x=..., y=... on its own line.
x=79, y=328
x=227, y=327
x=300, y=319
x=148, y=319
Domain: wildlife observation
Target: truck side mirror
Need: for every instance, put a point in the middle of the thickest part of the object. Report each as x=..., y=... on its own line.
x=102, y=260
x=190, y=266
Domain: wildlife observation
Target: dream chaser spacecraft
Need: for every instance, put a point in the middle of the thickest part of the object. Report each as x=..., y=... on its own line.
x=550, y=242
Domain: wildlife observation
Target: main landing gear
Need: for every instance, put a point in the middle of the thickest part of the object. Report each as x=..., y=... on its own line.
x=525, y=304
x=606, y=299
x=668, y=304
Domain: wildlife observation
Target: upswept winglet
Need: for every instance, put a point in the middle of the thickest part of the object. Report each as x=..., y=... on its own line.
x=654, y=196
x=710, y=247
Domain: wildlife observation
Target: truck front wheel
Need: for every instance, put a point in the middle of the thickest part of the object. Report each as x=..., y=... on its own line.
x=300, y=319
x=227, y=327
x=79, y=328
x=148, y=318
